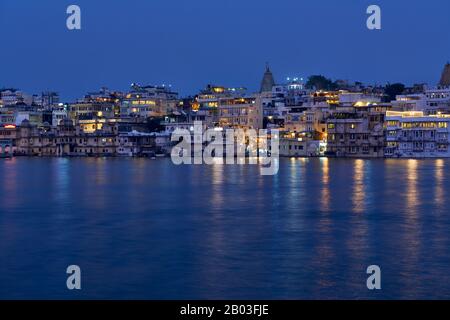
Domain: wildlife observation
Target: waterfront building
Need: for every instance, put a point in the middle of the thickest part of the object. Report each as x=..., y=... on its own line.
x=30, y=141
x=68, y=139
x=303, y=144
x=136, y=144
x=357, y=131
x=416, y=135
x=8, y=134
x=163, y=143
x=437, y=100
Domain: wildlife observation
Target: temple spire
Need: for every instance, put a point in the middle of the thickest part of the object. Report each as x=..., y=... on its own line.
x=268, y=81
x=445, y=77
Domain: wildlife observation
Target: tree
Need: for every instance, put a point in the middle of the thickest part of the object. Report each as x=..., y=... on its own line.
x=393, y=90
x=320, y=82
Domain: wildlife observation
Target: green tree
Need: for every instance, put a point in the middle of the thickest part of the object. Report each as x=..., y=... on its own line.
x=320, y=82
x=392, y=90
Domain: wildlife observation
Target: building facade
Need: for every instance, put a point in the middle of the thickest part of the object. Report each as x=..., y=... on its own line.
x=416, y=135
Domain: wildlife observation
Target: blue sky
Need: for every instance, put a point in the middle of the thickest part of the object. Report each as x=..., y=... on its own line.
x=191, y=43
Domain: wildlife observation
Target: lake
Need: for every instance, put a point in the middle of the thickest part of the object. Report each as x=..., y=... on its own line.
x=147, y=229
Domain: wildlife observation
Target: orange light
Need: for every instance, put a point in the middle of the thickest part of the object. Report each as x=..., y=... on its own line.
x=10, y=126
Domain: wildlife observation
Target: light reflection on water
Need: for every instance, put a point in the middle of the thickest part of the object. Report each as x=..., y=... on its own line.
x=148, y=229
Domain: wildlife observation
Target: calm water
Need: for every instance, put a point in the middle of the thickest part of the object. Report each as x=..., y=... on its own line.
x=148, y=229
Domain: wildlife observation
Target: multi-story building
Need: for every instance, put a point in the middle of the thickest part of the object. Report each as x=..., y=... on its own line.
x=301, y=145
x=283, y=98
x=437, y=100
x=7, y=117
x=357, y=131
x=8, y=135
x=12, y=97
x=136, y=144
x=58, y=116
x=46, y=100
x=410, y=102
x=149, y=101
x=416, y=135
x=228, y=108
x=68, y=139
x=243, y=113
x=309, y=120
x=90, y=110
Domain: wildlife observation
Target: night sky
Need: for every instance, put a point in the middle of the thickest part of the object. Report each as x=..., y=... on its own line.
x=191, y=43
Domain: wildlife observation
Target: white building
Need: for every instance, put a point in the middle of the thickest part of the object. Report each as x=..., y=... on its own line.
x=410, y=102
x=437, y=100
x=11, y=97
x=416, y=135
x=58, y=116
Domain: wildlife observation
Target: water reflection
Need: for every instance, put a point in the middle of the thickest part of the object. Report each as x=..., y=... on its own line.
x=217, y=182
x=411, y=238
x=61, y=176
x=10, y=193
x=359, y=192
x=412, y=193
x=325, y=189
x=439, y=193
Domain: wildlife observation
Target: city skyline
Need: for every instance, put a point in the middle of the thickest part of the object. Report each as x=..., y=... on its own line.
x=188, y=45
x=445, y=73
